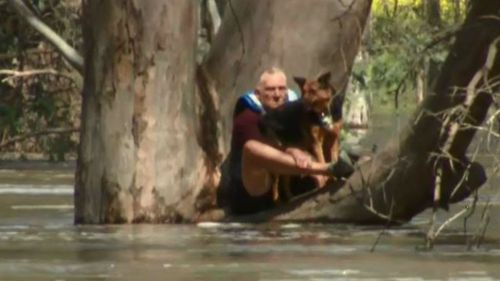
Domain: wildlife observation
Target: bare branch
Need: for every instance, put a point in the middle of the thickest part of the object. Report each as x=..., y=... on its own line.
x=450, y=220
x=12, y=74
x=68, y=52
x=39, y=133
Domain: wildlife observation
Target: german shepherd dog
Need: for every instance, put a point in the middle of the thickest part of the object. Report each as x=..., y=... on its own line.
x=312, y=123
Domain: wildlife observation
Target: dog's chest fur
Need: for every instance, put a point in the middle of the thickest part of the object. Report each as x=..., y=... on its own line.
x=288, y=125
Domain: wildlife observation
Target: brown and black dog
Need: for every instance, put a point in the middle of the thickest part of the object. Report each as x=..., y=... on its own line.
x=312, y=123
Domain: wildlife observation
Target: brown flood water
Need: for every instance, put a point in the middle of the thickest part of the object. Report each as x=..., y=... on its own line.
x=38, y=241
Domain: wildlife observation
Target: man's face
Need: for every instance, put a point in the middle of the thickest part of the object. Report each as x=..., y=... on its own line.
x=273, y=91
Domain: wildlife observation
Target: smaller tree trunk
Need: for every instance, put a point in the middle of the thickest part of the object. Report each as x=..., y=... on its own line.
x=456, y=10
x=433, y=12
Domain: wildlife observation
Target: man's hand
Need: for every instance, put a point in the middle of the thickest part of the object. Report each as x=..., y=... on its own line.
x=302, y=159
x=320, y=180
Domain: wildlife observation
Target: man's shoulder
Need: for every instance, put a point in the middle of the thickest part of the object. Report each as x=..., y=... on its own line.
x=247, y=116
x=248, y=101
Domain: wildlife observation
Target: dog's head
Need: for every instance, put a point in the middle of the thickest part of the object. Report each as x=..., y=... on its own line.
x=317, y=95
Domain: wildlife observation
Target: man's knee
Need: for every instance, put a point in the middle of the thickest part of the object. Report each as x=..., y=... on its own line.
x=255, y=180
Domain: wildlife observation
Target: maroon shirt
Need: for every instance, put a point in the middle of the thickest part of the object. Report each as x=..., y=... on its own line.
x=245, y=128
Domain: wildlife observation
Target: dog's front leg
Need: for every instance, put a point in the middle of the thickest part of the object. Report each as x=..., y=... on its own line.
x=335, y=148
x=317, y=144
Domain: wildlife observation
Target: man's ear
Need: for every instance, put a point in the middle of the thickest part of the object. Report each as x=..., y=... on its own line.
x=324, y=79
x=300, y=81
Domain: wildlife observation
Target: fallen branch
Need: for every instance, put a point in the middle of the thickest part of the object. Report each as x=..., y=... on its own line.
x=39, y=133
x=68, y=52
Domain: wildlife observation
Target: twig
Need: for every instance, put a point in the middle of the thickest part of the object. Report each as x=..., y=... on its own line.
x=451, y=219
x=39, y=133
x=16, y=74
x=431, y=235
x=387, y=225
x=472, y=210
x=481, y=231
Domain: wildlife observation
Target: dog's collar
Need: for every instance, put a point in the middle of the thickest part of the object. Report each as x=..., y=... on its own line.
x=326, y=121
x=323, y=120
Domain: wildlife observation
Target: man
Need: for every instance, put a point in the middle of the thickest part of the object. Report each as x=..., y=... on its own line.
x=252, y=160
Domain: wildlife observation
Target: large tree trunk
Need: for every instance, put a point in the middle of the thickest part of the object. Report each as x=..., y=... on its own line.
x=427, y=165
x=139, y=158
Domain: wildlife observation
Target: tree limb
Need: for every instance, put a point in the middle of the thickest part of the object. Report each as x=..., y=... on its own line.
x=11, y=74
x=68, y=52
x=39, y=133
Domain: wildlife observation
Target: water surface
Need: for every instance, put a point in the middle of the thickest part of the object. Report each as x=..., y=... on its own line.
x=38, y=241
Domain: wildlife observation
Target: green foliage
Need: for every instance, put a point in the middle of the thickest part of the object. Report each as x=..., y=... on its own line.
x=397, y=49
x=35, y=102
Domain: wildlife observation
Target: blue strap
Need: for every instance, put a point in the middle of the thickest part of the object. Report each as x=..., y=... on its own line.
x=250, y=100
x=292, y=95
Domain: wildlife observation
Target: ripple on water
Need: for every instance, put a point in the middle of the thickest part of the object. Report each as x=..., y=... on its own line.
x=323, y=272
x=220, y=225
x=42, y=207
x=14, y=226
x=42, y=189
x=7, y=235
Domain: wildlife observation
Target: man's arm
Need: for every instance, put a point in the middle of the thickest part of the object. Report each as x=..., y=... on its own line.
x=280, y=162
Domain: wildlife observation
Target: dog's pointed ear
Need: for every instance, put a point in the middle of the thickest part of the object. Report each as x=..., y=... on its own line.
x=300, y=81
x=324, y=79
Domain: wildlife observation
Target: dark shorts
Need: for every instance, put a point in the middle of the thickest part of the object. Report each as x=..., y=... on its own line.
x=242, y=203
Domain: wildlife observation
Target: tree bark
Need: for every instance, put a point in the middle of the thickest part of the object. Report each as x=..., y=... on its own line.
x=427, y=165
x=139, y=159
